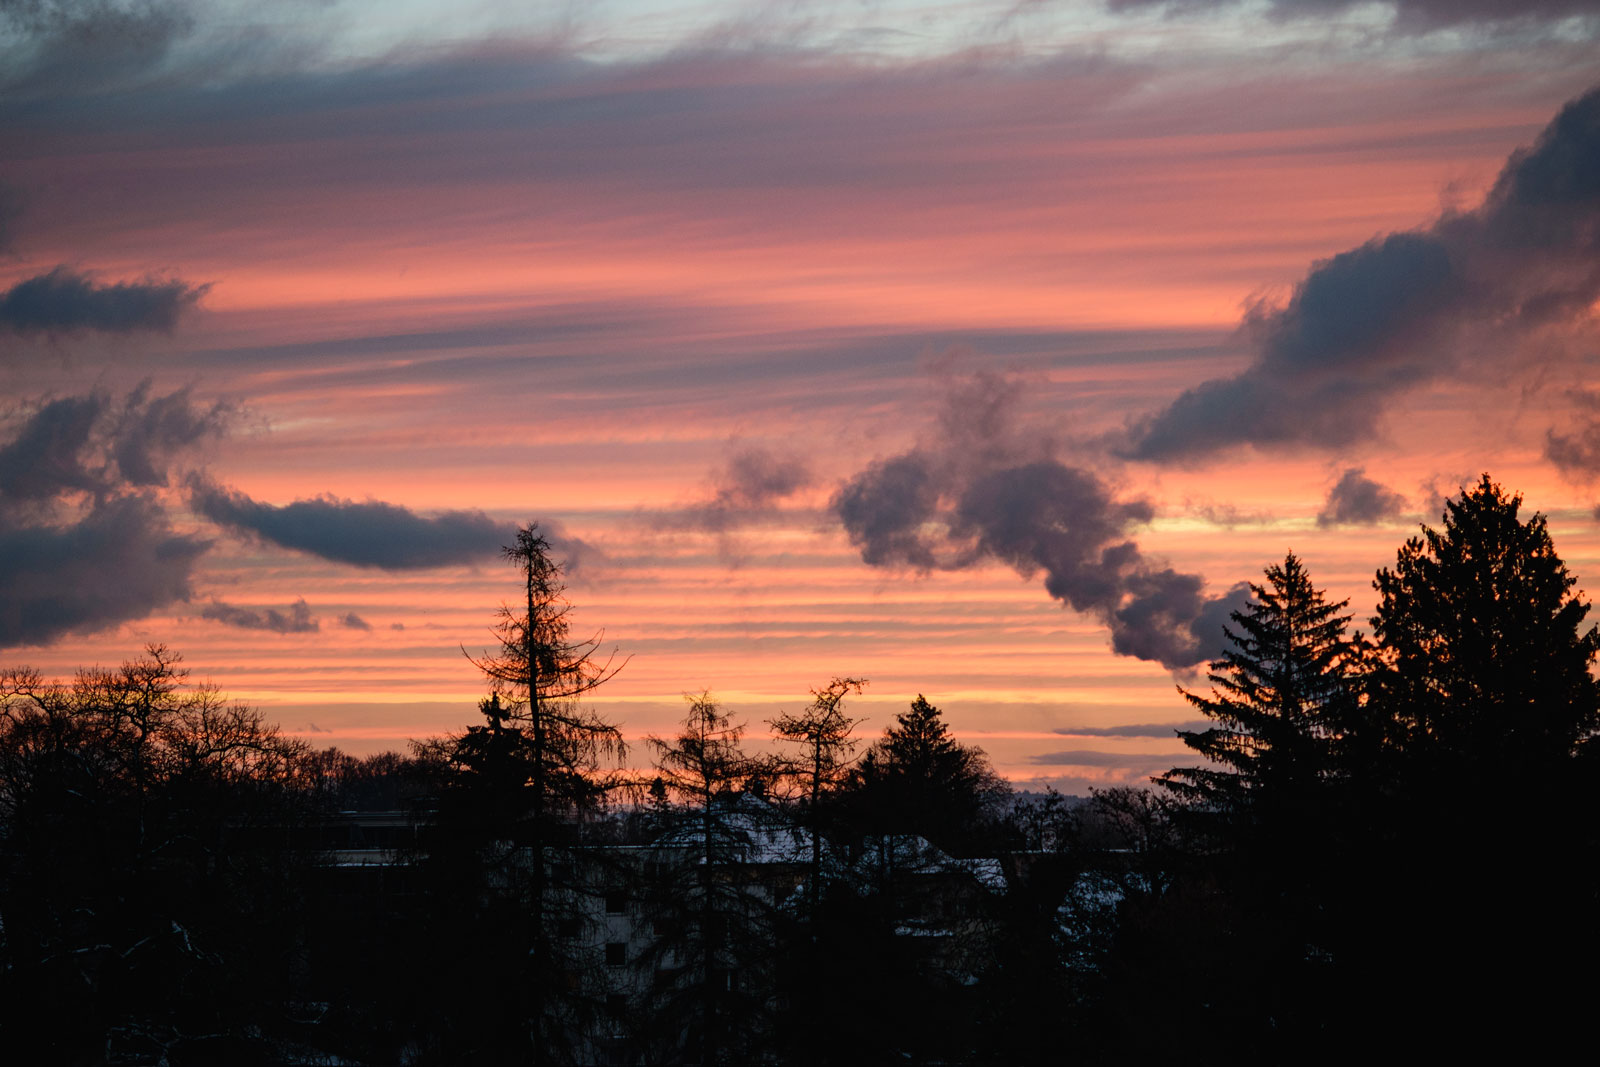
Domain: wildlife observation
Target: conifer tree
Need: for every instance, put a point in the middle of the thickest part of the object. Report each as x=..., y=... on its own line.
x=1484, y=658
x=1481, y=712
x=524, y=777
x=713, y=927
x=824, y=730
x=918, y=779
x=1279, y=700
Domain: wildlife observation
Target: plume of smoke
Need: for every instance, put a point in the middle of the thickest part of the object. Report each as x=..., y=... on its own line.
x=1514, y=276
x=983, y=490
x=746, y=488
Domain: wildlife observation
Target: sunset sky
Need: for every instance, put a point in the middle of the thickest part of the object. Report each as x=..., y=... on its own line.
x=979, y=349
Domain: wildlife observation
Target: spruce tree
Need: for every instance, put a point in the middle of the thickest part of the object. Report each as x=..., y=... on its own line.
x=1480, y=717
x=918, y=779
x=1280, y=697
x=1248, y=913
x=1485, y=661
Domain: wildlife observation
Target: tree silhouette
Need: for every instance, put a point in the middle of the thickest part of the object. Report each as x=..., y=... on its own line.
x=710, y=991
x=532, y=766
x=1262, y=814
x=1484, y=658
x=823, y=729
x=918, y=779
x=1281, y=696
x=1480, y=718
x=146, y=893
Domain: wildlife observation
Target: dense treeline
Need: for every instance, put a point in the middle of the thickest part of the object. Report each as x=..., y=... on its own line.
x=1382, y=837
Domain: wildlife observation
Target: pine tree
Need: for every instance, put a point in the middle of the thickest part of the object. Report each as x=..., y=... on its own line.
x=1280, y=698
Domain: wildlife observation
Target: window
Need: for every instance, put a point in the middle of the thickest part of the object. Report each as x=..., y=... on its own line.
x=616, y=953
x=616, y=902
x=617, y=1005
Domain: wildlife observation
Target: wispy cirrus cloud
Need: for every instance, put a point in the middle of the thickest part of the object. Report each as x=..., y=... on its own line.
x=1082, y=757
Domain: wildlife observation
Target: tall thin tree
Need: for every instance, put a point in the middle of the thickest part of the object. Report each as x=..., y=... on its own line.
x=537, y=676
x=823, y=731
x=711, y=999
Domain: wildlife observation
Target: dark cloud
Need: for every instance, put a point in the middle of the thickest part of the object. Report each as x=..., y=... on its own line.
x=296, y=620
x=1228, y=515
x=149, y=430
x=119, y=561
x=95, y=443
x=1142, y=729
x=1216, y=613
x=981, y=491
x=1358, y=500
x=83, y=544
x=10, y=215
x=64, y=301
x=71, y=46
x=1577, y=451
x=1469, y=295
x=354, y=622
x=1415, y=16
x=747, y=487
x=370, y=534
x=49, y=453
